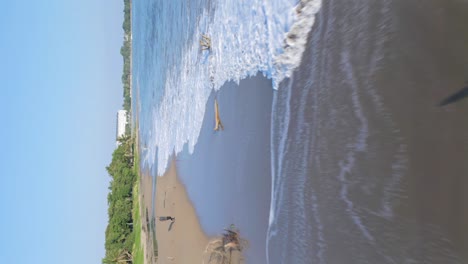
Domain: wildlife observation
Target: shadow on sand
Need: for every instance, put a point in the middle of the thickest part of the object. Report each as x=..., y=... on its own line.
x=461, y=94
x=170, y=226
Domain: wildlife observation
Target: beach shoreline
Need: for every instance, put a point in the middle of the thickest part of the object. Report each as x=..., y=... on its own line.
x=180, y=241
x=228, y=175
x=354, y=163
x=201, y=212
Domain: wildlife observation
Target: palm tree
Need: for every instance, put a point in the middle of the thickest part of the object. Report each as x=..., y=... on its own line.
x=124, y=257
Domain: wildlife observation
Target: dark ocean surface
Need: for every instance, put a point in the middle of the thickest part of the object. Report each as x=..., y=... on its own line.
x=367, y=167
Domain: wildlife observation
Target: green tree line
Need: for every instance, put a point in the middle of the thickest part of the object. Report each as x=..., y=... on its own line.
x=126, y=52
x=119, y=231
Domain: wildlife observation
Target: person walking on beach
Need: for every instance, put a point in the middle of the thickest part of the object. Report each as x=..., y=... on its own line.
x=165, y=218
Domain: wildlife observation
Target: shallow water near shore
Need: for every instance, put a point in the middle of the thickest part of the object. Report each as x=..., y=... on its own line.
x=174, y=77
x=228, y=175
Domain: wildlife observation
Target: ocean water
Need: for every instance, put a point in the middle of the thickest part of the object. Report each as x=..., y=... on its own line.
x=366, y=168
x=174, y=78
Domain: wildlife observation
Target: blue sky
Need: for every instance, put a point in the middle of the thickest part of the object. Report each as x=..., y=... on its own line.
x=60, y=91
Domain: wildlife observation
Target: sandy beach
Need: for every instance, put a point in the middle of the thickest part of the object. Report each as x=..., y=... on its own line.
x=204, y=208
x=147, y=242
x=182, y=241
x=228, y=175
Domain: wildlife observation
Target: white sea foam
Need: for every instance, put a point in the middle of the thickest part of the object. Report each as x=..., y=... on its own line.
x=296, y=40
x=247, y=37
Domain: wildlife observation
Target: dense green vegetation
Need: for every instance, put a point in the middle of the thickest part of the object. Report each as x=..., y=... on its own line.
x=123, y=231
x=120, y=230
x=126, y=52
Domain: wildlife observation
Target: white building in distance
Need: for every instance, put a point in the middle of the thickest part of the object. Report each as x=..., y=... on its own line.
x=121, y=124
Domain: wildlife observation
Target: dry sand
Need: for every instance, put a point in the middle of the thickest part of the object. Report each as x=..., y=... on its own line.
x=185, y=241
x=146, y=183
x=182, y=241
